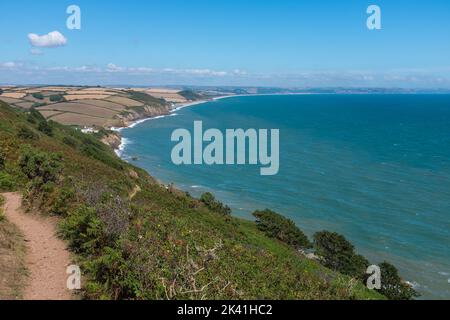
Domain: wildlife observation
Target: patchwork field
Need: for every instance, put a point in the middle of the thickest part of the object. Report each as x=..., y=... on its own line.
x=92, y=106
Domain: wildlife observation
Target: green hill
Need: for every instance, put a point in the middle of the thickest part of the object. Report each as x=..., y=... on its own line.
x=136, y=239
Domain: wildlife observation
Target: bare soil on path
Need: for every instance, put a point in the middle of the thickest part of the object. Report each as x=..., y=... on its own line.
x=46, y=257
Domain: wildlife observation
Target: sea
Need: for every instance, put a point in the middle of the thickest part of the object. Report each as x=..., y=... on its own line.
x=375, y=168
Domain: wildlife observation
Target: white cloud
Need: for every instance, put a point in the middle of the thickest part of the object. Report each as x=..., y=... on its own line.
x=51, y=40
x=36, y=52
x=9, y=65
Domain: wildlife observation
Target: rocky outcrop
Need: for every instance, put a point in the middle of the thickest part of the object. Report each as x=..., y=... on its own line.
x=112, y=139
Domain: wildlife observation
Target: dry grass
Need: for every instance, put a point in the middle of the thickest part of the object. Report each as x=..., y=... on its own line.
x=49, y=114
x=13, y=272
x=71, y=97
x=162, y=91
x=85, y=109
x=15, y=95
x=24, y=105
x=80, y=120
x=125, y=101
x=10, y=100
x=103, y=104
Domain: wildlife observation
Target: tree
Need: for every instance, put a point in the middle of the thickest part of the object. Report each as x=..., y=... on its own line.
x=392, y=286
x=276, y=226
x=38, y=95
x=56, y=98
x=338, y=254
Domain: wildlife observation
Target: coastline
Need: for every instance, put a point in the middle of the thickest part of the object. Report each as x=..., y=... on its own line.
x=119, y=150
x=118, y=130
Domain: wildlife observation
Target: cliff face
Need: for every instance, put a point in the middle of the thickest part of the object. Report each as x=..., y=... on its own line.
x=112, y=139
x=138, y=113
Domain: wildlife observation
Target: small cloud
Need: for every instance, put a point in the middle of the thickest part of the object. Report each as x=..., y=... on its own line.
x=10, y=65
x=51, y=40
x=111, y=67
x=36, y=52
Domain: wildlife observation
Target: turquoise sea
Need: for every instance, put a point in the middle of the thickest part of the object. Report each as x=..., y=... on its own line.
x=375, y=168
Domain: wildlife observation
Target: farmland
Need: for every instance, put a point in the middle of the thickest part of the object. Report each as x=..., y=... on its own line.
x=92, y=106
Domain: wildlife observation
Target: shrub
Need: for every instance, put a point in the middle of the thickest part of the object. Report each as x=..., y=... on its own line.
x=216, y=206
x=40, y=165
x=338, y=254
x=392, y=286
x=38, y=96
x=7, y=182
x=45, y=128
x=2, y=160
x=38, y=104
x=35, y=116
x=71, y=142
x=84, y=230
x=276, y=226
x=26, y=133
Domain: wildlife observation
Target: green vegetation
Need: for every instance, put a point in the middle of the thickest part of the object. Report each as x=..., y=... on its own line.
x=45, y=128
x=38, y=95
x=146, y=99
x=136, y=239
x=339, y=254
x=210, y=201
x=190, y=95
x=56, y=98
x=392, y=286
x=281, y=228
x=38, y=104
x=12, y=259
x=27, y=133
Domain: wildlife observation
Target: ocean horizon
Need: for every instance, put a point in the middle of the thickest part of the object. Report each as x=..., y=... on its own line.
x=375, y=168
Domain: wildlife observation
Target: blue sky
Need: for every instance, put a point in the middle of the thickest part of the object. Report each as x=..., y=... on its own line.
x=283, y=43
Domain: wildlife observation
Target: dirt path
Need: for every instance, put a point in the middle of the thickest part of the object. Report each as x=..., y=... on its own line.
x=47, y=257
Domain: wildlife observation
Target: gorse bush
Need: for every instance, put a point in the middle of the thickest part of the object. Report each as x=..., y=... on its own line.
x=211, y=203
x=276, y=226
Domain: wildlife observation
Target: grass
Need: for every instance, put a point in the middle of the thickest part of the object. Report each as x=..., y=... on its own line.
x=12, y=259
x=161, y=244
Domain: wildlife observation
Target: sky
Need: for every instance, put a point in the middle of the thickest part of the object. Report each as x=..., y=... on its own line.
x=242, y=43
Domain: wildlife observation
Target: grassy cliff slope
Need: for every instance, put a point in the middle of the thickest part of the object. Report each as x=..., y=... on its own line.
x=136, y=239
